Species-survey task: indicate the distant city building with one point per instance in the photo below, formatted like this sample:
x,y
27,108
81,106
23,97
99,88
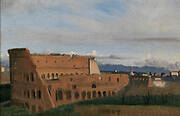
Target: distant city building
x,y
157,82
174,73
131,73
2,69
164,74
144,74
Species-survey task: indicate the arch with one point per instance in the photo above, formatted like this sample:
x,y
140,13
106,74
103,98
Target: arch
x,y
42,76
27,76
99,94
68,95
89,95
104,93
109,93
117,79
48,76
109,78
93,85
60,95
113,93
24,93
74,86
76,94
39,94
33,108
40,109
83,94
52,75
33,93
28,94
56,75
26,105
94,94
56,94
32,76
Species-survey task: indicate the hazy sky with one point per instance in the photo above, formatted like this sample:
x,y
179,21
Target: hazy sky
x,y
129,32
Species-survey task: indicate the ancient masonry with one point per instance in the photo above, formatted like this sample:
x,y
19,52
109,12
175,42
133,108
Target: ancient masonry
x,y
43,81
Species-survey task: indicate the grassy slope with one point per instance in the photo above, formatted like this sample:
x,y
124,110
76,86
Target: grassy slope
x,y
97,110
5,92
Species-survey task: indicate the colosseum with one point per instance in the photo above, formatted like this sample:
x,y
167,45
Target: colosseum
x,y
43,81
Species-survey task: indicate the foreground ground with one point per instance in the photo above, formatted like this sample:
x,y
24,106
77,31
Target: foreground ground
x,y
97,110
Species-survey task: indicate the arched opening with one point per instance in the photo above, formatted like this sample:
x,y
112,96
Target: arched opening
x,y
28,94
109,93
74,86
52,75
109,78
26,105
117,79
42,76
48,76
113,93
93,85
104,93
32,76
68,95
94,94
33,108
83,95
76,95
24,93
60,95
40,109
99,94
27,76
33,94
89,95
56,95
56,75
39,94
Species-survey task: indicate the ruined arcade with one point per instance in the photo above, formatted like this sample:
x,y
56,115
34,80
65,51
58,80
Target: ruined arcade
x,y
43,81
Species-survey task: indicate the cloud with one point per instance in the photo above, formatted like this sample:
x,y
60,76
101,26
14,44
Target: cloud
x,y
145,21
137,24
159,62
159,40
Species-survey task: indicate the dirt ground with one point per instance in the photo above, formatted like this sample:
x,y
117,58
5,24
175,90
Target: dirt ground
x,y
111,110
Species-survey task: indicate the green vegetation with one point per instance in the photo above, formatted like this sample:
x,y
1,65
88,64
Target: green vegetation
x,y
14,111
169,100
5,92
96,110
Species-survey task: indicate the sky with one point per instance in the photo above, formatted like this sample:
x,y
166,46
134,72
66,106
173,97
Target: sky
x,y
128,32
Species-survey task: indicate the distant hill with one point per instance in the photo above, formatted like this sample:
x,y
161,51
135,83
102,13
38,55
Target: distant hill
x,y
5,63
111,67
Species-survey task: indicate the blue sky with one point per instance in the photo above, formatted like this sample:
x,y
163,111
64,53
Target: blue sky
x,y
138,32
